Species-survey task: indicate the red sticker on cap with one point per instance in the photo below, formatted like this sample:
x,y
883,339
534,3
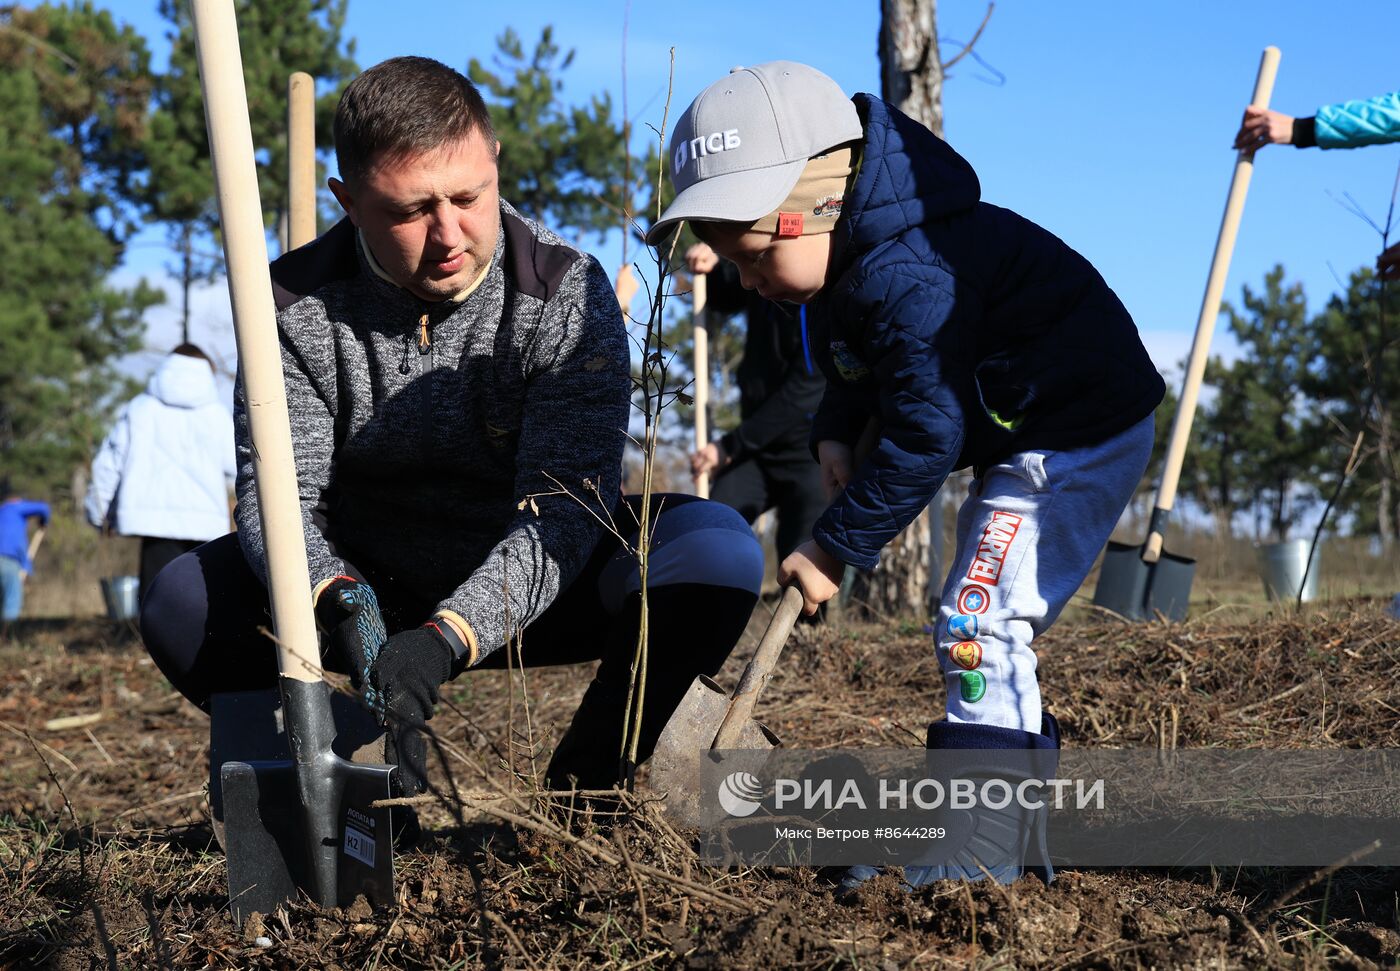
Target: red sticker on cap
x,y
789,224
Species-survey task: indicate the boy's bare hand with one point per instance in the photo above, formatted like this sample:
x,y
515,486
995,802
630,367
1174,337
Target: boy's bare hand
x,y
837,463
1263,127
815,571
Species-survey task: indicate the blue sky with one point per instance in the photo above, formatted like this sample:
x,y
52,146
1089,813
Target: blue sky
x,y
1112,126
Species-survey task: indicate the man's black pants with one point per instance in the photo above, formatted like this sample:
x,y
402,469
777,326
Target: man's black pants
x,y
202,621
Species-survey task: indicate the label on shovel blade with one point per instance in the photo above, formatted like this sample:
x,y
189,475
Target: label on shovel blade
x,y
359,845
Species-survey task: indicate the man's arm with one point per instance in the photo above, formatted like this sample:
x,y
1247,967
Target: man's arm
x,y
1352,124
35,507
313,446
571,438
1349,124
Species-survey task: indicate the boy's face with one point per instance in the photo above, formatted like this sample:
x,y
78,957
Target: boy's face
x,y
779,268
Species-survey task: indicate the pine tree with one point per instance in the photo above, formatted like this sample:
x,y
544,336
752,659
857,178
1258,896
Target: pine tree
x,y
1253,437
276,37
74,96
1355,378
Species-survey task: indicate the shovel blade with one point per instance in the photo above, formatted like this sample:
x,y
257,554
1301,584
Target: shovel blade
x,y
676,762
1141,591
271,855
247,726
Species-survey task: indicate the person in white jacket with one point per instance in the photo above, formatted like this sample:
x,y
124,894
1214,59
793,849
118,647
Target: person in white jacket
x,y
164,470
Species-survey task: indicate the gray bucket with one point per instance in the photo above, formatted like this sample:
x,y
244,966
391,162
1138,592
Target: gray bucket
x,y
1281,567
120,596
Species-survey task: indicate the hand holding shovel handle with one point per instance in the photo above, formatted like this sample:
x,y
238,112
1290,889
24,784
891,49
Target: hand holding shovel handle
x,y
760,668
1205,325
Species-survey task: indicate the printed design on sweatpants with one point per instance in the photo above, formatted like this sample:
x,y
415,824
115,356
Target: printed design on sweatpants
x,y
992,548
972,685
962,627
966,654
973,599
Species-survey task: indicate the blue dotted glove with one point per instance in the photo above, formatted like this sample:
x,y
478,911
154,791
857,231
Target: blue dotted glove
x,y
349,611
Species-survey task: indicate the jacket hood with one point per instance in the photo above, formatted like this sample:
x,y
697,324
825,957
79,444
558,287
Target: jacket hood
x,y
908,176
183,382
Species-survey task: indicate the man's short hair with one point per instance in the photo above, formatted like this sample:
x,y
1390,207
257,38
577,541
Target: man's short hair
x,y
405,106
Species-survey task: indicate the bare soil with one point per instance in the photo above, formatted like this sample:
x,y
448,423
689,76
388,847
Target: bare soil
x,y
107,859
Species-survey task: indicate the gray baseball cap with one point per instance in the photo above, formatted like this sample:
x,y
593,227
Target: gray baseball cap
x,y
740,147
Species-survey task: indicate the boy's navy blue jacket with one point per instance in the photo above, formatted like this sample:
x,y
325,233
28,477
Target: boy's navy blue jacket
x,y
968,331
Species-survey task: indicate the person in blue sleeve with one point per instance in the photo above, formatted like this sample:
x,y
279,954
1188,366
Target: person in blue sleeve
x,y
15,565
1348,124
975,338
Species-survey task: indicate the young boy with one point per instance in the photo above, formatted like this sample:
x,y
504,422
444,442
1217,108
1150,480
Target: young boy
x,y
974,338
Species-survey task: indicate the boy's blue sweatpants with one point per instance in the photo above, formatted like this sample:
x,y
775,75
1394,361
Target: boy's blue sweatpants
x,y
1028,534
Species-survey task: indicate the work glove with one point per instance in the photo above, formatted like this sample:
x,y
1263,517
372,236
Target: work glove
x,y
349,611
402,687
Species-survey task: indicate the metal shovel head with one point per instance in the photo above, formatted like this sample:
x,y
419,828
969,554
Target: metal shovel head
x,y
676,762
247,726
255,802
271,856
1142,591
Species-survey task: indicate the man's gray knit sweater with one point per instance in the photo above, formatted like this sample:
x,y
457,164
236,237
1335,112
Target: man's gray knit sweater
x,y
432,439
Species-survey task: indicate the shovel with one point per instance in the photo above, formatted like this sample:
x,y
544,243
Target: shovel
x,y
305,823
707,718
1141,582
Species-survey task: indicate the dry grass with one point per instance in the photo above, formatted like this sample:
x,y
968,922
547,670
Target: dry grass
x,y
106,859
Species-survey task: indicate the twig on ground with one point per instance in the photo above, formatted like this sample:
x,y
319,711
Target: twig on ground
x,y
1321,874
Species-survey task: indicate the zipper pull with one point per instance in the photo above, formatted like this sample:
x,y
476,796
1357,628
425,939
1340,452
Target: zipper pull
x,y
407,350
425,343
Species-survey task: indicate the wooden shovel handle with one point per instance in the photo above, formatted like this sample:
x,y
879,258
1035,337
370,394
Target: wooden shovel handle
x,y
35,542
698,296
255,326
759,669
301,159
1210,310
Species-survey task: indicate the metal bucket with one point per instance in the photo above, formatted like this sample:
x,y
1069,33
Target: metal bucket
x,y
1282,566
120,596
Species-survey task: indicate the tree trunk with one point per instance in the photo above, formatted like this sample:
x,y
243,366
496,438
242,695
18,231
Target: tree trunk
x,y
911,72
1385,473
911,79
901,586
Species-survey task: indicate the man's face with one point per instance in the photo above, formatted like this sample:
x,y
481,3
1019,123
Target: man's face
x,y
779,268
430,220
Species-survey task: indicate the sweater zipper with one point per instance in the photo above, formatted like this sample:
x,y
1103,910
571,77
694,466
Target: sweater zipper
x,y
425,372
